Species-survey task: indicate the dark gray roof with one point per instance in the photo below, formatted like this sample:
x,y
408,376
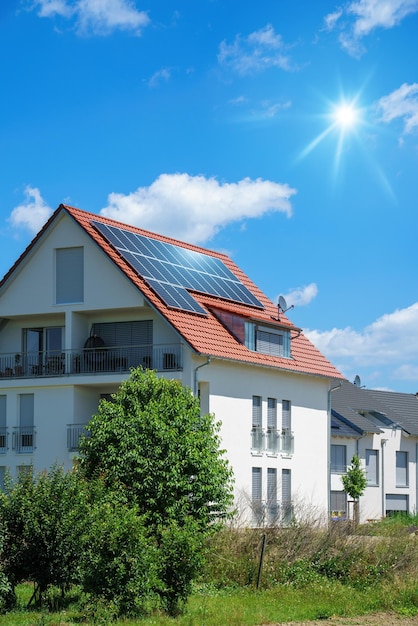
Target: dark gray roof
x,y
340,428
350,403
370,410
401,408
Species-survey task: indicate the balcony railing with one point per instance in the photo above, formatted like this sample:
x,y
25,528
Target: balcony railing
x,y
272,513
74,433
164,357
272,441
23,439
3,439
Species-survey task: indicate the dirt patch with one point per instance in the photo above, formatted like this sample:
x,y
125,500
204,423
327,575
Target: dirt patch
x,y
376,619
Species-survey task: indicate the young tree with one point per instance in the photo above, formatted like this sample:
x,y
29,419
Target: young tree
x,y
153,444
354,483
43,518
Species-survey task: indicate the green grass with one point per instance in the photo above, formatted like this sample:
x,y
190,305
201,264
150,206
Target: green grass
x,y
244,607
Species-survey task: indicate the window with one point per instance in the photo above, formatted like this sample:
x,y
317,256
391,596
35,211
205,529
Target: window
x,y
3,424
372,467
69,275
272,341
265,339
401,469
338,459
256,495
272,507
396,504
287,436
257,429
287,510
272,434
2,475
338,504
24,434
43,350
134,340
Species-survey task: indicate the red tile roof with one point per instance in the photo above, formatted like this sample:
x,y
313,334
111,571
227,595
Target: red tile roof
x,y
205,334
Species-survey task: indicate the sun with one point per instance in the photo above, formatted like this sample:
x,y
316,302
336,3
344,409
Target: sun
x,y
345,115
343,121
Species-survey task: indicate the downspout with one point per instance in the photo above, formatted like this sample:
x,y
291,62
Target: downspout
x,y
329,447
383,444
196,380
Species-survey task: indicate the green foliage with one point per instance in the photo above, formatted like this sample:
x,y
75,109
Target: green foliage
x,y
354,481
43,520
152,445
152,442
119,562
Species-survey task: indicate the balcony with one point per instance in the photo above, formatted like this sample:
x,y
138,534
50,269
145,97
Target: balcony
x,y
164,357
74,433
272,513
23,439
272,441
3,440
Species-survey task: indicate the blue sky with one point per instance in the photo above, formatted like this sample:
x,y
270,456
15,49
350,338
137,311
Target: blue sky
x,y
219,122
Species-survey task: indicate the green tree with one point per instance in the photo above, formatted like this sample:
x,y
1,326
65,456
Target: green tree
x,y
153,444
43,519
118,563
354,483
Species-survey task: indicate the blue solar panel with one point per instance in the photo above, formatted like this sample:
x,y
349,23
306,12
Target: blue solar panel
x,y
170,270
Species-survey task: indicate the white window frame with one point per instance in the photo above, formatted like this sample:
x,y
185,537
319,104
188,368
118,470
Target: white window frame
x,y
372,467
402,474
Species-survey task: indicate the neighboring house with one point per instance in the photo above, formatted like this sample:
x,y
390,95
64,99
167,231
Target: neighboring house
x,y
381,427
90,298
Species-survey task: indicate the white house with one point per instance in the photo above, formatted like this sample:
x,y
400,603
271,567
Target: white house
x,y
90,298
381,427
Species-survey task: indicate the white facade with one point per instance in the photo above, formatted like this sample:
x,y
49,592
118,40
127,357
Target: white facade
x,y
48,395
387,451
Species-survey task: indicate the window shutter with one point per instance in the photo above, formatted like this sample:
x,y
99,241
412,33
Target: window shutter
x,y
136,333
26,410
286,415
271,414
372,467
286,486
269,343
401,469
256,484
69,275
257,414
3,421
271,485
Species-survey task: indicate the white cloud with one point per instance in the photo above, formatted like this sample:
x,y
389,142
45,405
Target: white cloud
x,y
161,75
195,208
401,103
331,19
32,214
301,296
98,17
359,18
371,14
390,340
259,51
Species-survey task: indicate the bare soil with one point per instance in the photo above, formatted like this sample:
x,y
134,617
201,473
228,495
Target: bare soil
x,y
375,619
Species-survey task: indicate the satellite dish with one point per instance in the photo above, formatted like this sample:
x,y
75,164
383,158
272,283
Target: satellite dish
x,y
282,306
282,303
357,381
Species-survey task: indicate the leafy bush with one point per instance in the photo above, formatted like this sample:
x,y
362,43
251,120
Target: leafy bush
x,y
43,518
119,562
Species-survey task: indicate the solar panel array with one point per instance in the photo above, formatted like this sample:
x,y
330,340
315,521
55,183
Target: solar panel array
x,y
171,270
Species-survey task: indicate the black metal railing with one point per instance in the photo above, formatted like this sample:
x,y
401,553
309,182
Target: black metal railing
x,y
162,357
